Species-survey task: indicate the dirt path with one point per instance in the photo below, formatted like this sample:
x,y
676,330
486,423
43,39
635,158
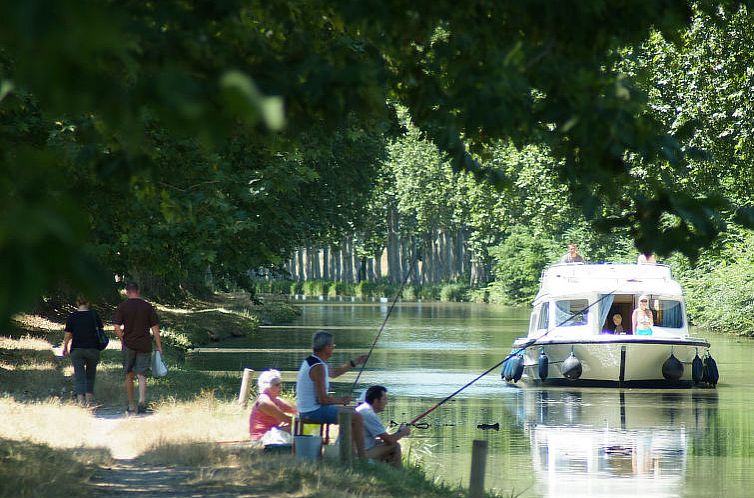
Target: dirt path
x,y
130,477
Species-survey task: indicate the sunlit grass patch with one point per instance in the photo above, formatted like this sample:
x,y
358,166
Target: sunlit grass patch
x,y
27,342
37,322
61,425
205,418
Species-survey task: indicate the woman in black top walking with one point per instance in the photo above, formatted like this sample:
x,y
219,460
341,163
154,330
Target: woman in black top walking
x,y
81,328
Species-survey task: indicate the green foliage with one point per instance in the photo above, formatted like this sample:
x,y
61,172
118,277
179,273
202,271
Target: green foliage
x,y
138,135
520,261
178,340
277,312
273,286
297,287
312,288
410,293
479,295
341,289
719,287
454,292
430,291
366,289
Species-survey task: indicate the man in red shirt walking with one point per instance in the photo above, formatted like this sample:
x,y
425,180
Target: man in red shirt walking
x,y
133,320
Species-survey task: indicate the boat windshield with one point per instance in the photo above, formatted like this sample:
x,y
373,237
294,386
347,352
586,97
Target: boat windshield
x,y
571,312
668,313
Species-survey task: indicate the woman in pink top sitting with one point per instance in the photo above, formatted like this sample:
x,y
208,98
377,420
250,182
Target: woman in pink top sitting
x,y
269,410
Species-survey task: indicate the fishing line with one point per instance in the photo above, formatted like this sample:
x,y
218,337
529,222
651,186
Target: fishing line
x,y
528,344
382,327
419,425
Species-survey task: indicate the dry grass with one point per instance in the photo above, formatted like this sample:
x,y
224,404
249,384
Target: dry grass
x,y
38,323
57,424
46,449
26,342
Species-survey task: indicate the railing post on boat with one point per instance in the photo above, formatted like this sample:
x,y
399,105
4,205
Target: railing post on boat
x,y
243,394
478,466
344,431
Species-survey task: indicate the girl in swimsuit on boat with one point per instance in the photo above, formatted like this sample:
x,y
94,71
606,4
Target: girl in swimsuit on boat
x,y
642,319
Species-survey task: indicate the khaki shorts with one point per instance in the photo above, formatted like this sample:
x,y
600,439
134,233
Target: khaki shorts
x,y
134,361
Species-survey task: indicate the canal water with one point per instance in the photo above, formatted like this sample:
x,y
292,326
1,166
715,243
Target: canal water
x,y
551,441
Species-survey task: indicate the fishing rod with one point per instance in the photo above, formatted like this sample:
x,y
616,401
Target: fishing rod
x,y
528,344
382,327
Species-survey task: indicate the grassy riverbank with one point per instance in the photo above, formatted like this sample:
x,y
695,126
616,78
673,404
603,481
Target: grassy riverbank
x,y
51,447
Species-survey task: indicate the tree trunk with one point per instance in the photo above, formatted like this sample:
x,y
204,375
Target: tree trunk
x,y
436,259
326,263
415,277
371,277
393,247
467,255
309,264
347,260
357,263
337,270
301,276
427,263
460,242
378,265
362,268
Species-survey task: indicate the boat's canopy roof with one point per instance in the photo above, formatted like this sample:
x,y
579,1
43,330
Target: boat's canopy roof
x,y
573,279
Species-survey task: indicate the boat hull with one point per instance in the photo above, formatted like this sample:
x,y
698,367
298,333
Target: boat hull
x,y
613,361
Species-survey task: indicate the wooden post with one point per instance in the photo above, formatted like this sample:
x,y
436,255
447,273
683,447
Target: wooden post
x,y
346,446
478,465
243,394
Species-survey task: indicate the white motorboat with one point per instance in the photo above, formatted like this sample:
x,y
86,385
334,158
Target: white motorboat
x,y
572,337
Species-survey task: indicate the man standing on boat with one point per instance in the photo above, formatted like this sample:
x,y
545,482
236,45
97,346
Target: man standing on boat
x,y
572,256
313,383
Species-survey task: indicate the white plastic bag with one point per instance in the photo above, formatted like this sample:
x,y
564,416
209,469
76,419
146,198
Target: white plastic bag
x,y
276,436
158,366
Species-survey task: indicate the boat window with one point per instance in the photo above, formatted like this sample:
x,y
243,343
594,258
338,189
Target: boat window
x,y
575,309
544,317
668,313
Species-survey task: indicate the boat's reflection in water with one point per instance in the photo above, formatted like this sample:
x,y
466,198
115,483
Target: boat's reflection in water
x,y
612,442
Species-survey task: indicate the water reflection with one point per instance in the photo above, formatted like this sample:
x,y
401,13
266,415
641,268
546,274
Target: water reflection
x,y
617,443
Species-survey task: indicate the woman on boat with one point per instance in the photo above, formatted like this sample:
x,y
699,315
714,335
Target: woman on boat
x,y
642,319
270,412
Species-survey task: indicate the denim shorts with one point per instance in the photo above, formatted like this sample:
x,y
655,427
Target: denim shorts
x,y
325,414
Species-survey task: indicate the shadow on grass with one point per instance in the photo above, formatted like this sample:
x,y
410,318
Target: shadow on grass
x,y
30,469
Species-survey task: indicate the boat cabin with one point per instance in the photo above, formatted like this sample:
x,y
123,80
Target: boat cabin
x,y
577,299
